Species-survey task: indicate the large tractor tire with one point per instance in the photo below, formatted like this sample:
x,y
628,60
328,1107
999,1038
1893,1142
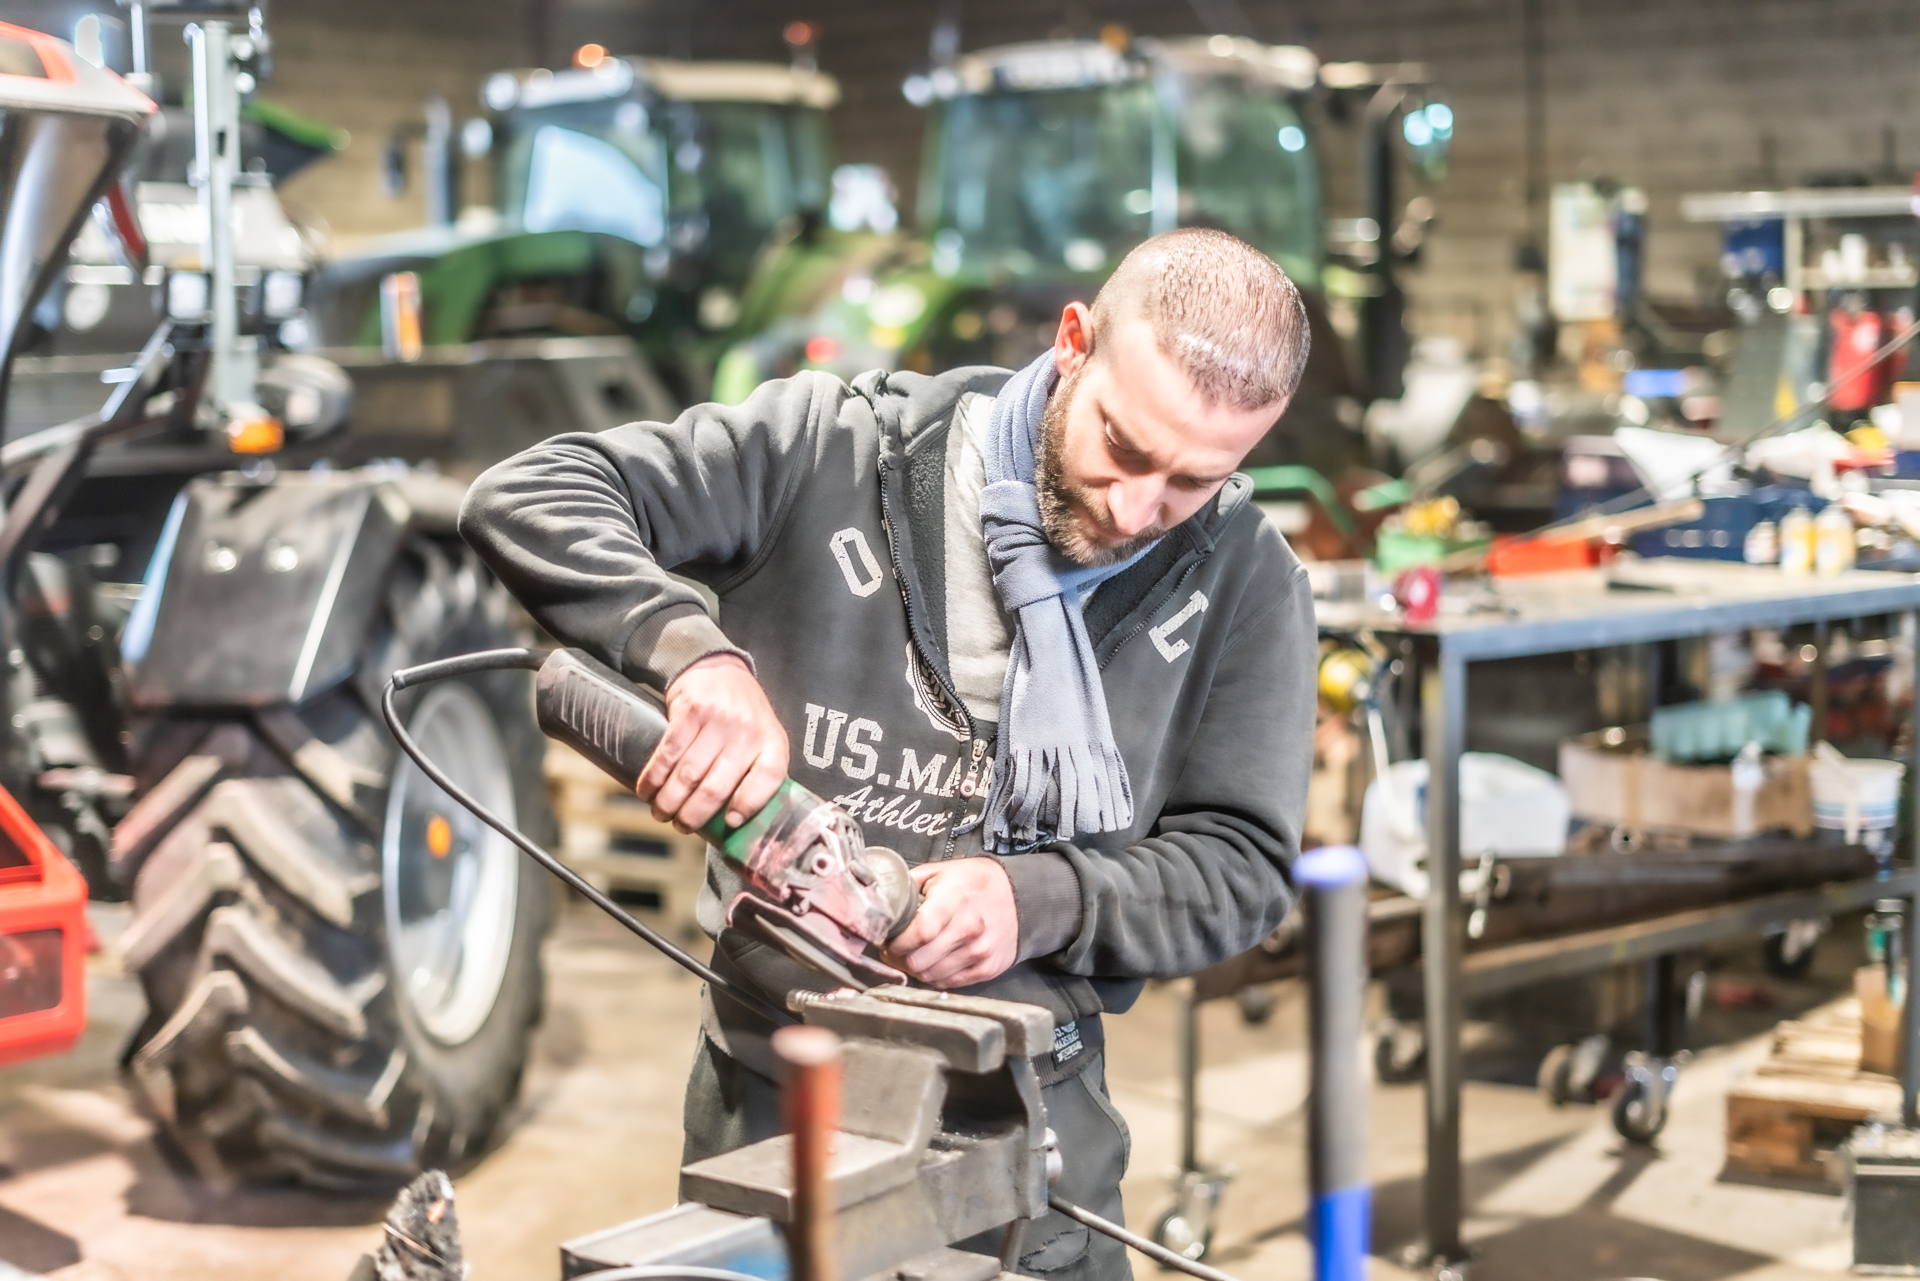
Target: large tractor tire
x,y
342,966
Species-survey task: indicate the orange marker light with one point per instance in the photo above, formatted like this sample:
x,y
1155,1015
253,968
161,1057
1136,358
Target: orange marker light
x,y
439,836
589,56
255,435
799,33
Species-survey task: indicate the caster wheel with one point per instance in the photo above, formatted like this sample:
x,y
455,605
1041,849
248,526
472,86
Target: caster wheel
x,y
1400,1055
1256,1005
1632,1117
1172,1231
1782,965
1556,1075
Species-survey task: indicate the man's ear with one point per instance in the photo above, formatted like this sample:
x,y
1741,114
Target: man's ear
x,y
1073,341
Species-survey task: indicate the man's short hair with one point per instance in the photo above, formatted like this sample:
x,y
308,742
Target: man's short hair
x,y
1219,308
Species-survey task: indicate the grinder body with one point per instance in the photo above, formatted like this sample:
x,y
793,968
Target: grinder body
x,y
805,855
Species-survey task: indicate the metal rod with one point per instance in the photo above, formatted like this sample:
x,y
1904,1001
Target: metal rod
x,y
1443,939
810,1098
1660,1020
1189,1078
216,145
1909,1020
1333,881
137,37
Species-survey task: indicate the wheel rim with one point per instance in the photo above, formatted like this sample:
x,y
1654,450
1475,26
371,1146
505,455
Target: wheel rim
x,y
451,883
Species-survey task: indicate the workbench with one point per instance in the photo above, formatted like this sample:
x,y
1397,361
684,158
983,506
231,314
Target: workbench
x,y
1630,602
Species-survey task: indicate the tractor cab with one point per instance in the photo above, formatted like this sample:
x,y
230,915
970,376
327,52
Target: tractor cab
x,y
632,197
1044,164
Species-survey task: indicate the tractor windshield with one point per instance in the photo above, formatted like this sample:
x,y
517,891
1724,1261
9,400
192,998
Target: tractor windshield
x,y
706,179
1054,182
1247,166
1043,183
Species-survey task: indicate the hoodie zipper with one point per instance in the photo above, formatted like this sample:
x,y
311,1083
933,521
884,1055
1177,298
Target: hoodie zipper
x,y
1141,626
953,700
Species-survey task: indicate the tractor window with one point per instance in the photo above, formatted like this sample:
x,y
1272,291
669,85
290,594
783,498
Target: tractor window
x,y
576,182
1046,183
743,167
590,166
1247,166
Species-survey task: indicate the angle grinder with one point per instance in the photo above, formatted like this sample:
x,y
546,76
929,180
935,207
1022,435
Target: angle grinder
x,y
814,888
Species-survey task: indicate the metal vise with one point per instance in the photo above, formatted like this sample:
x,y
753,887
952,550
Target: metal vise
x,y
942,1138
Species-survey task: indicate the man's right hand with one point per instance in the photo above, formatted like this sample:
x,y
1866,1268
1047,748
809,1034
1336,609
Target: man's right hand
x,y
724,747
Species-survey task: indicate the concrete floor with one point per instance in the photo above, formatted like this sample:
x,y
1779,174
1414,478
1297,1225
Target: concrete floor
x,y
84,1193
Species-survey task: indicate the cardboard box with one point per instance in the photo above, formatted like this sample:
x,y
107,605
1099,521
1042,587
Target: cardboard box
x,y
1879,1021
1613,777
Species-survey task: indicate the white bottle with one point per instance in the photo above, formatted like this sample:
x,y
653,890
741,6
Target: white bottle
x,y
1796,542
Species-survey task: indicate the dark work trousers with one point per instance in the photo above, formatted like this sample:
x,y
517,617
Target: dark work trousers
x,y
730,1106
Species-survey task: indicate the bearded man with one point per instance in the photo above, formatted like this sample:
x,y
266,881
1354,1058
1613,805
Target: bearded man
x,y
1027,628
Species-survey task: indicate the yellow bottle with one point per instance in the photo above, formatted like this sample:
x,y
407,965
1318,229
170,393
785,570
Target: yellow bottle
x,y
1833,542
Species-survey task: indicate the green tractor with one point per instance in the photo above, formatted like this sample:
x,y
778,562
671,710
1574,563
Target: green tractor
x,y
1045,163
633,201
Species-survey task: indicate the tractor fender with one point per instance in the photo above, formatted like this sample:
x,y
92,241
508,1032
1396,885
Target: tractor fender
x,y
263,593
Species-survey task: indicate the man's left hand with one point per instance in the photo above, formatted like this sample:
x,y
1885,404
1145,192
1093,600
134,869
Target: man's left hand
x,y
966,930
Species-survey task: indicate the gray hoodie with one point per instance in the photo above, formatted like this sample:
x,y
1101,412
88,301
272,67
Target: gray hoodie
x,y
816,512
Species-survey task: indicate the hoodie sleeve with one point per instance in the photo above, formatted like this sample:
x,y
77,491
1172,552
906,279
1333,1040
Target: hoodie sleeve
x,y
1213,877
583,528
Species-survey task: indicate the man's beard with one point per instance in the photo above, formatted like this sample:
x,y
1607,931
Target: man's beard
x,y
1057,496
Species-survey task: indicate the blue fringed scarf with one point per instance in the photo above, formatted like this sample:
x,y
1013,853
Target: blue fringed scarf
x,y
1057,772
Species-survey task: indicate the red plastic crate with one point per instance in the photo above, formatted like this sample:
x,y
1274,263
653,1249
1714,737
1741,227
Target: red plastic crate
x,y
43,941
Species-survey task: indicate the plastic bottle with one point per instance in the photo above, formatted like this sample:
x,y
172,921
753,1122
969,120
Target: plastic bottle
x,y
1762,546
1833,548
1796,542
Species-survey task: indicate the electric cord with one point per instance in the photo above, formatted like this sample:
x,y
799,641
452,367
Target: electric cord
x,y
496,660
1153,1250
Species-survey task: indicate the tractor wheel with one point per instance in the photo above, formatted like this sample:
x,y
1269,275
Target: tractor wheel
x,y
342,966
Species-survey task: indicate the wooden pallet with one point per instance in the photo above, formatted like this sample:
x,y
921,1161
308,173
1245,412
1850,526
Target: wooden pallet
x,y
1786,1118
614,841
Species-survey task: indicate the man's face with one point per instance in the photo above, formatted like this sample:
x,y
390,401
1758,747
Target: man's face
x,y
1129,448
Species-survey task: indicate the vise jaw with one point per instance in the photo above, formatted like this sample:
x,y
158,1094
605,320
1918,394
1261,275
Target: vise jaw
x,y
943,1137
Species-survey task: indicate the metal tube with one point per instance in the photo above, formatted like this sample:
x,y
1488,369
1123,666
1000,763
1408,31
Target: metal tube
x,y
1333,884
1660,1020
137,36
216,137
810,1098
1443,939
1189,1079
1909,1022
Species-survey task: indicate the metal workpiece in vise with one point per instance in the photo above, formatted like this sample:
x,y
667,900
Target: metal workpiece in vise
x,y
822,895
942,1138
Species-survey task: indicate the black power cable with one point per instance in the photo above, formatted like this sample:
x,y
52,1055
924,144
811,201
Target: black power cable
x,y
1153,1250
496,660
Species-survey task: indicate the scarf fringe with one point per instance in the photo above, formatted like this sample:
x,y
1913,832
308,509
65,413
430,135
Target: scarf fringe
x,y
1040,792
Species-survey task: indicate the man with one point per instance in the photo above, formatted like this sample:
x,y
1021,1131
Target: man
x,y
1027,629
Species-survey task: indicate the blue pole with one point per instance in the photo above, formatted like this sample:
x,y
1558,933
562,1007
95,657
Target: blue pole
x,y
1333,887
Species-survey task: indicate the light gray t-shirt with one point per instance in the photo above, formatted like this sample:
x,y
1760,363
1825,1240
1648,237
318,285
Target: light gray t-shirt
x,y
979,629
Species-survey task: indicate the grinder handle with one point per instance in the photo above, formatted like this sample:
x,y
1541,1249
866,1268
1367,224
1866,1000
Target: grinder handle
x,y
606,718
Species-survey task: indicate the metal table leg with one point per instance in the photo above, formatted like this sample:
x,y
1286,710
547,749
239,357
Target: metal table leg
x,y
1909,1023
1443,939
